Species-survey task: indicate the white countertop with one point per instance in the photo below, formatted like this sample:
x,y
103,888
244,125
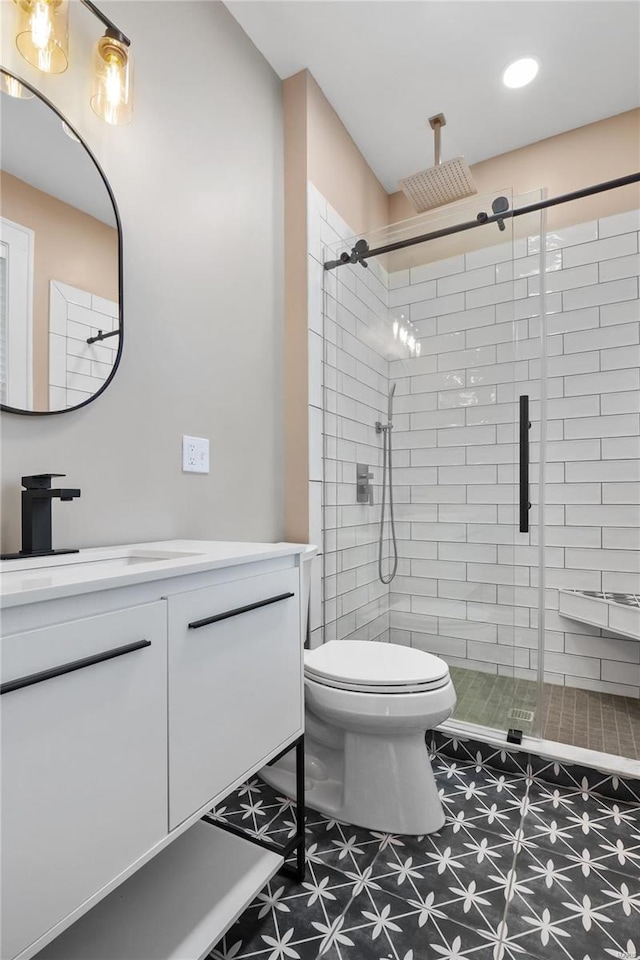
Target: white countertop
x,y
102,568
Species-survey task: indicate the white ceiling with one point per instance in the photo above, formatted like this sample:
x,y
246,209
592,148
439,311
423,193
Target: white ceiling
x,y
387,65
35,149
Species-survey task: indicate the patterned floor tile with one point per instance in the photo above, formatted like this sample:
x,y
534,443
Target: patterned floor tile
x,y
521,868
289,919
514,760
257,808
467,751
377,926
582,778
464,882
570,823
562,908
344,847
483,797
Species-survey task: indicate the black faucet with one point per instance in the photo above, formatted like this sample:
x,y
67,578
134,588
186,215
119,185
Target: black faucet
x,y
36,515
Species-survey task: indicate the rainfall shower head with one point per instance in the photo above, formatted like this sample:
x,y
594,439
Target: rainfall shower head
x,y
442,183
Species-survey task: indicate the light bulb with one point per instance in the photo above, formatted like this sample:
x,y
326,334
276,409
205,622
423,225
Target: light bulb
x,y
411,343
396,327
41,27
418,348
112,83
403,334
43,33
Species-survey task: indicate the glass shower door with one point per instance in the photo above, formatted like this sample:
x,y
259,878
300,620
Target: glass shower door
x,y
455,344
498,683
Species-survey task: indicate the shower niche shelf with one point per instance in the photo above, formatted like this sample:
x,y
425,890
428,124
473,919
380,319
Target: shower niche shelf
x,y
617,612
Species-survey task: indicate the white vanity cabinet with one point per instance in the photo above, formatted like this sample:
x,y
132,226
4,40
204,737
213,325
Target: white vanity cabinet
x,y
83,760
234,660
137,691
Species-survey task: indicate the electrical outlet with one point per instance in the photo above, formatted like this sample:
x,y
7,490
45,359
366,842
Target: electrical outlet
x,y
195,455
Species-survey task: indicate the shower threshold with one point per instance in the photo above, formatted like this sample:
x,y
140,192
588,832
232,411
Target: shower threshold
x,y
563,753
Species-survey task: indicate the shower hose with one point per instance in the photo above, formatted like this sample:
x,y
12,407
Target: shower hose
x,y
387,458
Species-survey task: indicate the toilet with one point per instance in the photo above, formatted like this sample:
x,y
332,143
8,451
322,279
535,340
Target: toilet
x,y
368,706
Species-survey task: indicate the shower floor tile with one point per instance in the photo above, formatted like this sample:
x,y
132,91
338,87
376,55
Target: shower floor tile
x,y
521,868
582,718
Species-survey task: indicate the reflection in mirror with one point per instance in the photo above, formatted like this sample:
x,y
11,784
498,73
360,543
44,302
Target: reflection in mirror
x,y
60,315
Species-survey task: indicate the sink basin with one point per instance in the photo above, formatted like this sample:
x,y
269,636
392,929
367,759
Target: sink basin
x,y
64,568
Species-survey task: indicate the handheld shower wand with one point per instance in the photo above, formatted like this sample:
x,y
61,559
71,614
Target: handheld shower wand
x,y
387,463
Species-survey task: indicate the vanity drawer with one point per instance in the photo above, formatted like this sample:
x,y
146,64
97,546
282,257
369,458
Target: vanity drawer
x,y
235,683
83,762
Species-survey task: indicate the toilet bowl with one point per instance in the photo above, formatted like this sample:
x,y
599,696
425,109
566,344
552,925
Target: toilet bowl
x,y
367,708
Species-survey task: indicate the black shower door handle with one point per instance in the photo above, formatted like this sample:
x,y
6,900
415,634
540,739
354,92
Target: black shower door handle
x,y
525,426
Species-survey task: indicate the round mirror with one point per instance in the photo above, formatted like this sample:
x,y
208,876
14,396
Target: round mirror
x,y
60,261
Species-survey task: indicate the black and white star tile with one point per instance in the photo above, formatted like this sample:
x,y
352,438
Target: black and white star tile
x,y
522,868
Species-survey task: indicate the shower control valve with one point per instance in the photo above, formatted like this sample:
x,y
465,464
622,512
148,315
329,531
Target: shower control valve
x,y
364,490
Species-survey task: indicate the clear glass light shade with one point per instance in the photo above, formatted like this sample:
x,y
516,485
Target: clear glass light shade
x,y
42,34
112,94
13,87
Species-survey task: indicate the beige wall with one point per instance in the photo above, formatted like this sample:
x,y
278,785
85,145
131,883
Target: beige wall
x,y
69,245
198,181
338,169
317,148
578,158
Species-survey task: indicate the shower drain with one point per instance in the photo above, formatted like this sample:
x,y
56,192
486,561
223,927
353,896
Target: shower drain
x,y
516,714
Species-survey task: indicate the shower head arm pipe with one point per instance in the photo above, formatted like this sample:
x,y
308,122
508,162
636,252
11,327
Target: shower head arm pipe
x,y
437,123
482,219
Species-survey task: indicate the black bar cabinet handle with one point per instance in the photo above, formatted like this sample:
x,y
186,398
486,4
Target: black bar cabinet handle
x,y
525,426
32,678
234,613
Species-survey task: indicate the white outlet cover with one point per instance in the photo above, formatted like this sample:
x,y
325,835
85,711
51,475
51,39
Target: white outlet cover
x,y
195,455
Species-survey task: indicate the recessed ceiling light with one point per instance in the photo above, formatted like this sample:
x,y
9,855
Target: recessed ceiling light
x,y
520,72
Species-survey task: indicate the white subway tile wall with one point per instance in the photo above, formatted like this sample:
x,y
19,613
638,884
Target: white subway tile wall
x,y
467,584
348,393
592,451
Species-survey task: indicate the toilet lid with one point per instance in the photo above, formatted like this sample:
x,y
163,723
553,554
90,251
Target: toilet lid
x,y
368,663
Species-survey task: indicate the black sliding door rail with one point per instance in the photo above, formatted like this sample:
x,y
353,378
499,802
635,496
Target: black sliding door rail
x,y
361,252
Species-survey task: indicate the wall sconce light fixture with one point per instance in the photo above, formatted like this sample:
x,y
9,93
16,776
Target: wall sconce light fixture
x,y
42,34
42,37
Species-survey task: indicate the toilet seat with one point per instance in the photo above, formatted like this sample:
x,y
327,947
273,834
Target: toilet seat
x,y
363,666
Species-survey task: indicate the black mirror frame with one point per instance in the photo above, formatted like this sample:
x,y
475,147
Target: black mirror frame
x,y
53,413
